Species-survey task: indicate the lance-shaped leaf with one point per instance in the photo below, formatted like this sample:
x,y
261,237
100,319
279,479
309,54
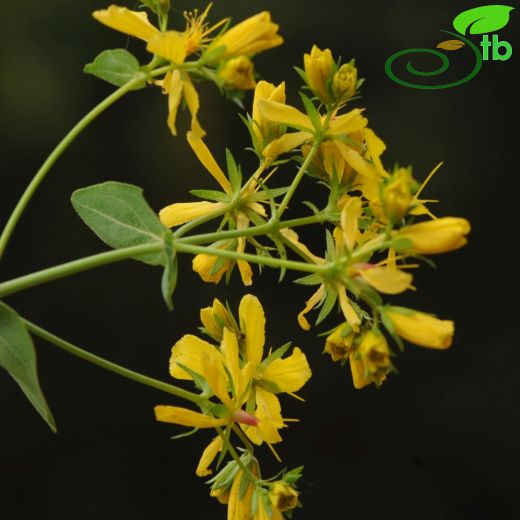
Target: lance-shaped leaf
x,y
18,357
484,19
119,215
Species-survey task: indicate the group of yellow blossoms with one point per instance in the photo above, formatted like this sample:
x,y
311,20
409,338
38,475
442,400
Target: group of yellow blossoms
x,y
376,226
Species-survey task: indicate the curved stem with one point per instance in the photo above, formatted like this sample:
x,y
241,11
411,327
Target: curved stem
x,y
112,367
57,152
255,259
76,266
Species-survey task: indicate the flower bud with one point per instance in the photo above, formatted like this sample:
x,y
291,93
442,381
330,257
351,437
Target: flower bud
x,y
371,361
420,328
344,81
319,67
237,74
283,496
434,236
217,317
397,194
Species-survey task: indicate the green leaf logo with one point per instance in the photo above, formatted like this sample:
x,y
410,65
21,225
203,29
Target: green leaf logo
x,y
484,19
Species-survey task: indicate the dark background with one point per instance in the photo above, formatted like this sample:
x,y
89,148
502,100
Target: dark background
x,y
438,441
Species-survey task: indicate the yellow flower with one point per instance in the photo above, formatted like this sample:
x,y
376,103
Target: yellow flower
x,y
434,236
253,35
240,505
319,66
265,131
329,162
345,81
238,73
180,213
208,456
420,328
170,45
370,363
197,30
283,496
215,318
340,343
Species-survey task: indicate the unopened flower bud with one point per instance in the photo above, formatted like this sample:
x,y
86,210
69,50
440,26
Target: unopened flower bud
x,y
397,194
319,67
344,81
237,73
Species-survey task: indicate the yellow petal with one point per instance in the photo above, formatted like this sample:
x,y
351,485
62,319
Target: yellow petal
x,y
204,156
350,215
182,212
348,311
285,114
129,22
252,324
185,417
422,329
192,100
203,265
285,144
188,351
268,413
292,236
217,379
229,349
208,456
309,305
246,273
387,279
169,45
172,86
358,372
348,123
289,374
239,507
375,148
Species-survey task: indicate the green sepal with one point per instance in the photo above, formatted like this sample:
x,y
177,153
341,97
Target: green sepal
x,y
270,386
301,73
405,311
327,306
401,244
265,195
312,112
199,381
234,173
310,279
214,195
18,358
292,476
313,207
170,273
242,488
116,66
189,433
331,246
213,55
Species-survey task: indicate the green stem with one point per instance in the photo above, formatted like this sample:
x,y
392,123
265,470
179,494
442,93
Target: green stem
x,y
299,176
56,153
267,228
112,367
243,437
255,259
76,266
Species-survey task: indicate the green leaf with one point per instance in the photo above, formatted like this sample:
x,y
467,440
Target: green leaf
x,y
484,19
311,279
234,174
120,216
292,476
18,357
328,305
312,112
117,66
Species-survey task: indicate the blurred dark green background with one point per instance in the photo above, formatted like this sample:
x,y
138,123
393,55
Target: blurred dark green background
x,y
439,441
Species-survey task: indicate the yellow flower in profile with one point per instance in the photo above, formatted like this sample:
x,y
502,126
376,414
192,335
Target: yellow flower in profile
x,y
251,36
370,363
240,503
420,328
216,318
319,67
180,213
397,194
434,236
172,46
283,497
238,74
340,342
